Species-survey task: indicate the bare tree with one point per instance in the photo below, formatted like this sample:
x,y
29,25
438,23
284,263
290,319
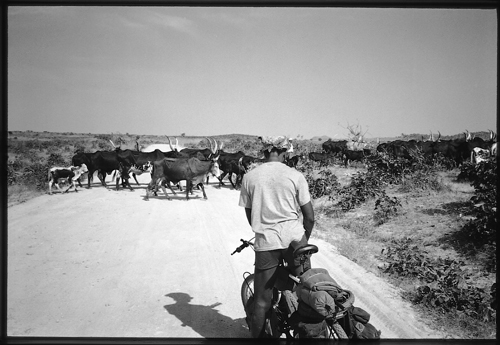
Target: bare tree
x,y
355,132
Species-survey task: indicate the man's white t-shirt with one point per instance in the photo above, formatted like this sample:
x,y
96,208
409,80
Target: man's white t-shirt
x,y
275,192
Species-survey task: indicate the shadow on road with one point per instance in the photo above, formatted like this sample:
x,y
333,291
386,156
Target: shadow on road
x,y
205,319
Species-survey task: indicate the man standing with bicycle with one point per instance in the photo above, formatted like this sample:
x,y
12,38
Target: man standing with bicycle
x,y
272,195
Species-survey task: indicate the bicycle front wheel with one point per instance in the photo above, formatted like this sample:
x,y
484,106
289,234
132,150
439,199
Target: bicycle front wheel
x,y
247,289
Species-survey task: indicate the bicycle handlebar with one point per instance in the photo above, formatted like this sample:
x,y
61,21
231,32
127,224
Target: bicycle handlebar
x,y
243,246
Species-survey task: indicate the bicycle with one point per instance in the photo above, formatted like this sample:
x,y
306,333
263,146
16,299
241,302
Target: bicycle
x,y
284,301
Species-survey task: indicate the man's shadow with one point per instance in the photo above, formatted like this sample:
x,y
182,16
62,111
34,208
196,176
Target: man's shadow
x,y
205,320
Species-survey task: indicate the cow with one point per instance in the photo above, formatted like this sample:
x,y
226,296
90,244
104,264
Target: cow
x,y
479,155
106,162
71,173
322,158
229,164
192,170
163,147
293,161
336,147
492,143
201,154
350,155
144,159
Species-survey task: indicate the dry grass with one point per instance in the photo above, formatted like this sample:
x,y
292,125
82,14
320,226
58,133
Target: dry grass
x,y
17,194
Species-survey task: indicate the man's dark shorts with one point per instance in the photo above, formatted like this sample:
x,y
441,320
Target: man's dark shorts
x,y
269,259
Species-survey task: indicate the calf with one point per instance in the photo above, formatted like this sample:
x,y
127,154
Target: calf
x,y
322,158
359,156
72,174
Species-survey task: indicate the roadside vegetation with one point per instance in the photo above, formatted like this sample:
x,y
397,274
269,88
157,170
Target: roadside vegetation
x,y
426,226
430,234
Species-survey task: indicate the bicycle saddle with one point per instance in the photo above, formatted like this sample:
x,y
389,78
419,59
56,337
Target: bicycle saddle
x,y
308,248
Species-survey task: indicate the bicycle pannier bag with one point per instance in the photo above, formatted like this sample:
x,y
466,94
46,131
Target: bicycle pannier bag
x,y
356,325
320,291
308,328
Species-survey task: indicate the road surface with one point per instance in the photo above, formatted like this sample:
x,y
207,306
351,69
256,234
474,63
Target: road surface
x,y
107,263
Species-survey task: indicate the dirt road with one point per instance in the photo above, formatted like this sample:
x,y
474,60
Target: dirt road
x,y
107,263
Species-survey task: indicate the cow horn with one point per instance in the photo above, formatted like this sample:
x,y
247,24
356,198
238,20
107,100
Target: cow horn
x,y
221,145
439,136
112,143
176,143
170,144
491,134
210,142
468,135
432,137
216,147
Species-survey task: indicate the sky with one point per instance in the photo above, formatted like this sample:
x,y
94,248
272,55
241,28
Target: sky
x,y
249,70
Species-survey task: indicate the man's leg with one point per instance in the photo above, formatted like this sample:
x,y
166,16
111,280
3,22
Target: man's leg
x,y
263,293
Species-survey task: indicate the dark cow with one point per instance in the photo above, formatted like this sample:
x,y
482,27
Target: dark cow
x,y
350,155
229,164
199,153
192,170
145,159
105,162
322,158
293,161
84,158
72,174
330,146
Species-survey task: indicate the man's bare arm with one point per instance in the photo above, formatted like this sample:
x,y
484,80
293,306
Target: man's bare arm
x,y
248,212
308,214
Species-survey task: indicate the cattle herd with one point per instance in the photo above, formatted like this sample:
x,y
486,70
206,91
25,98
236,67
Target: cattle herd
x,y
166,166
173,164
457,150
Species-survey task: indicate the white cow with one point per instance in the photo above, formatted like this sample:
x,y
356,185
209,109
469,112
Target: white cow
x,y
164,147
478,155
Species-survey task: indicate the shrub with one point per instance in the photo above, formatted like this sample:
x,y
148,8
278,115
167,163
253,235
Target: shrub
x,y
482,229
55,159
325,185
385,208
415,174
362,187
445,284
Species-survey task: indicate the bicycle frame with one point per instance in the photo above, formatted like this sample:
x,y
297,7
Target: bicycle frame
x,y
334,328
